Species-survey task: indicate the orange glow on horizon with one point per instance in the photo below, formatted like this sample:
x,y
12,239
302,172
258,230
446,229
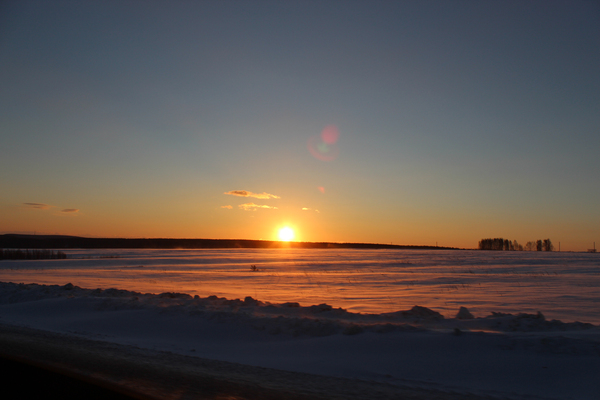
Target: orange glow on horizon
x,y
286,234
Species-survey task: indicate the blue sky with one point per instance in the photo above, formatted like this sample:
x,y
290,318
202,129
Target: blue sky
x,y
457,120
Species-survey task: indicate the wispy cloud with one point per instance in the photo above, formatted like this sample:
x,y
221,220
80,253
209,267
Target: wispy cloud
x,y
42,206
39,206
246,193
253,207
227,206
309,209
68,212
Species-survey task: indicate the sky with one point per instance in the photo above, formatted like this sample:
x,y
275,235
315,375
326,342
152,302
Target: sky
x,y
404,122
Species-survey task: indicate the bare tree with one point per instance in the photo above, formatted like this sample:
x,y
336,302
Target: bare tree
x,y
547,245
500,244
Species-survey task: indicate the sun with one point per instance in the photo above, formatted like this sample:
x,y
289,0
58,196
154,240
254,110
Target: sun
x,y
286,234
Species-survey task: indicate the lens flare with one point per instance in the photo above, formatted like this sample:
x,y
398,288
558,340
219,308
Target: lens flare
x,y
325,147
330,134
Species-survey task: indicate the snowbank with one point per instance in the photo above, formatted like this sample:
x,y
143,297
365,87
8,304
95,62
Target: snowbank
x,y
502,354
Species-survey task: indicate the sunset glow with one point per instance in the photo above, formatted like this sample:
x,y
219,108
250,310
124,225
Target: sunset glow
x,y
286,234
357,199
402,122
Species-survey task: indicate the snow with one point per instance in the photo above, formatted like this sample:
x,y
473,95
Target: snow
x,y
510,354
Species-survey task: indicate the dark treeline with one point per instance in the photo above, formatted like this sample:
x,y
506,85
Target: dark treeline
x,y
76,242
508,245
12,254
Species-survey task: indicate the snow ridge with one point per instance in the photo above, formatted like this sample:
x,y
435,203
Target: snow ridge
x,y
287,318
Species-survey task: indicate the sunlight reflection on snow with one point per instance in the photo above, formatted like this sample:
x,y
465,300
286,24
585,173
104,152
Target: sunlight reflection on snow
x,y
560,285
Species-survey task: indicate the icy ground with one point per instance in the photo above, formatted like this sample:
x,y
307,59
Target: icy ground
x,y
504,355
563,286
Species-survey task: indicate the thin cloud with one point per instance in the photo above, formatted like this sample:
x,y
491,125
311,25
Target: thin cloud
x,y
254,207
39,206
42,206
246,193
68,212
309,209
227,206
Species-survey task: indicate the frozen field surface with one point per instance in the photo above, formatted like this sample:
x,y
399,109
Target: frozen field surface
x,y
562,286
529,327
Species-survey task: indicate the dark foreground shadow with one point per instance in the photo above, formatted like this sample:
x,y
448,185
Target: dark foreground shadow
x,y
20,380
42,364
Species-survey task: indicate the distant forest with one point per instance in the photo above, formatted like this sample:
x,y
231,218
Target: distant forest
x,y
15,241
508,245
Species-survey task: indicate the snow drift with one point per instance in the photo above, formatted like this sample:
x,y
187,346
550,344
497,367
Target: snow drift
x,y
511,355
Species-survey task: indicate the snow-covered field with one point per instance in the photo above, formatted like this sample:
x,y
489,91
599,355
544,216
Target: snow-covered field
x,y
342,313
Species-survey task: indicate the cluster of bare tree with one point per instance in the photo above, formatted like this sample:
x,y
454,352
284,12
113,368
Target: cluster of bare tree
x,y
505,244
540,245
499,244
